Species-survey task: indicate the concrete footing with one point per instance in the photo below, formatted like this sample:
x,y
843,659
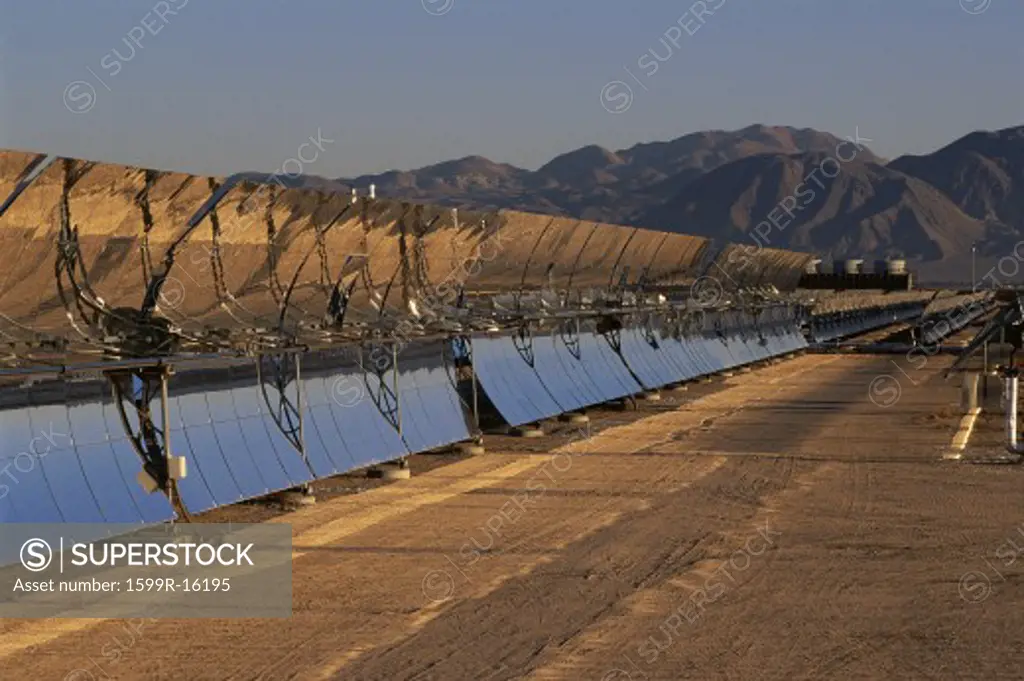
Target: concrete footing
x,y
528,431
727,374
680,388
650,396
575,418
746,369
470,448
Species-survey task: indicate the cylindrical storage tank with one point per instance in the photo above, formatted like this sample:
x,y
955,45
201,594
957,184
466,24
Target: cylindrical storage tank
x,y
814,266
896,266
853,266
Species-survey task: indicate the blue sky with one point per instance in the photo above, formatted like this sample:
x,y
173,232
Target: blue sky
x,y
223,85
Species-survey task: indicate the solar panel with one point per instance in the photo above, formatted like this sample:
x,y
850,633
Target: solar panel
x,y
364,427
572,361
207,454
321,430
246,473
448,413
99,465
692,348
246,445
511,383
562,374
522,374
753,350
60,466
65,474
637,356
691,352
252,421
488,370
664,368
671,353
415,423
718,352
31,498
296,468
426,391
607,367
362,431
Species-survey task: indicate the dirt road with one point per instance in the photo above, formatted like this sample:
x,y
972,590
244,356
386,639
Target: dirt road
x,y
798,523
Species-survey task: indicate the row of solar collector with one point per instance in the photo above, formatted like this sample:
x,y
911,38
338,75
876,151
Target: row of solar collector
x,y
69,460
825,328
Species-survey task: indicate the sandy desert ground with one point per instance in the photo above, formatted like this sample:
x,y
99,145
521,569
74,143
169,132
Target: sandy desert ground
x,y
795,522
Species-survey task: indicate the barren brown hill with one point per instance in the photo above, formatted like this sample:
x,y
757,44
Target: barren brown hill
x,y
983,173
865,209
594,183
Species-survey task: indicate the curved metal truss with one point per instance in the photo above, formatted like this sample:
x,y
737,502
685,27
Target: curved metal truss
x,y
279,377
650,334
569,332
379,362
522,339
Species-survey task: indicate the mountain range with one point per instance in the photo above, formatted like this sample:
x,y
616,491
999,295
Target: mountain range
x,y
780,186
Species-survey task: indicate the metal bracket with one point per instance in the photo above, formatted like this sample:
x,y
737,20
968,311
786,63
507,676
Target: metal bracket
x,y
458,354
611,329
279,377
570,334
135,391
379,362
649,335
523,340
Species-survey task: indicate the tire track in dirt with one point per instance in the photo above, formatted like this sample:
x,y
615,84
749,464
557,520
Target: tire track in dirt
x,y
739,488
666,566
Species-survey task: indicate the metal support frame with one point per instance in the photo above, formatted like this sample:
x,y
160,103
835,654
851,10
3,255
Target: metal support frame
x,y
135,391
458,353
522,339
279,376
383,389
611,330
569,331
649,334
